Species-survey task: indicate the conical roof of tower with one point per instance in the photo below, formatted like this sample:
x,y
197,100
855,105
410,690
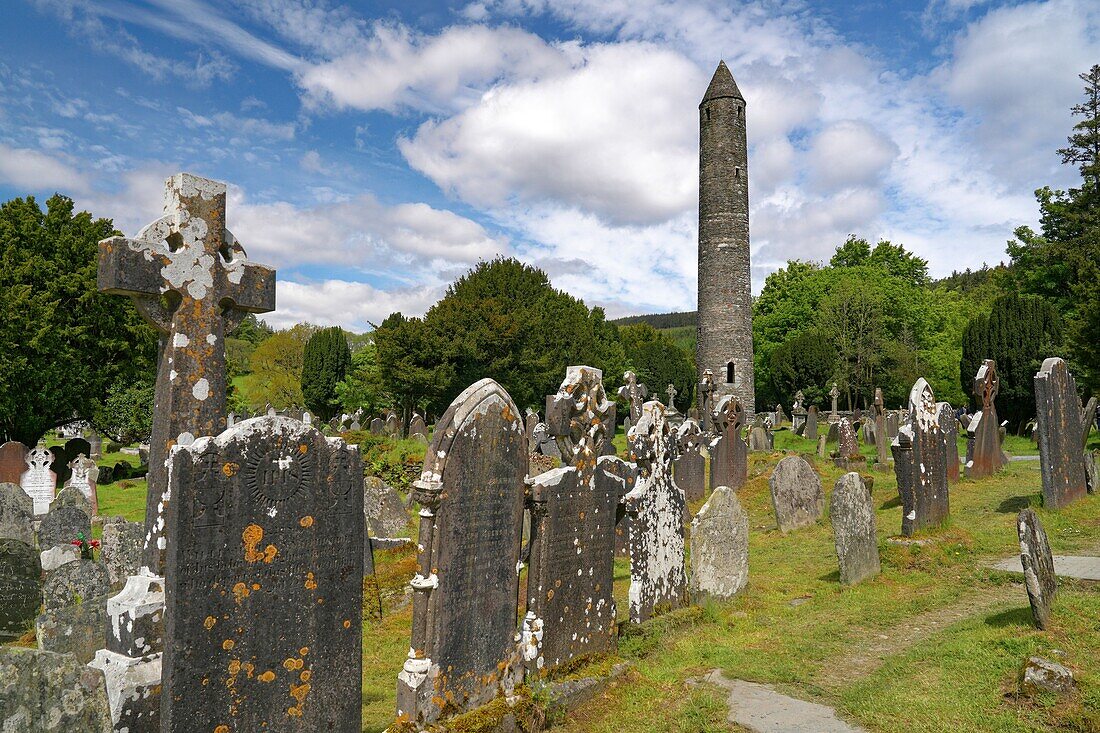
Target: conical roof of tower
x,y
722,85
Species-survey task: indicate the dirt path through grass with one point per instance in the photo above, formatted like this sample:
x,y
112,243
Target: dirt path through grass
x,y
870,649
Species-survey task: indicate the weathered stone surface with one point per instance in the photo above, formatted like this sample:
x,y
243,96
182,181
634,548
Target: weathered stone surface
x,y
658,577
466,588
892,424
720,546
57,556
570,606
188,256
384,511
920,463
1042,675
1038,565
796,494
635,394
417,429
13,461
63,525
135,617
74,583
810,433
122,548
706,390
847,441
264,581
1058,424
377,426
39,480
689,467
20,587
729,460
834,395
545,444
724,331
882,440
853,519
16,514
949,424
133,689
986,456
760,435
83,474
393,426
78,629
72,496
44,691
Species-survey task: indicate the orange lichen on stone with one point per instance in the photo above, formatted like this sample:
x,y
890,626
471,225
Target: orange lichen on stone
x,y
240,592
347,624
222,729
291,664
234,667
251,537
209,622
230,469
228,644
267,676
303,448
255,586
305,675
310,583
306,521
304,651
299,693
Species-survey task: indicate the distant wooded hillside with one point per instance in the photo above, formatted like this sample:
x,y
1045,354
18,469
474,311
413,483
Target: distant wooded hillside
x,y
660,320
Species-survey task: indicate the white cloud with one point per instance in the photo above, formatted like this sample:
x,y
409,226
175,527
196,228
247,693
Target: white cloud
x,y
25,168
615,136
353,305
850,153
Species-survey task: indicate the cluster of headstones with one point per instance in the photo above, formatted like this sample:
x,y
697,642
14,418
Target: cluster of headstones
x,y
389,424
40,471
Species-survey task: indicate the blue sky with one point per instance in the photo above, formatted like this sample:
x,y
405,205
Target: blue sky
x,y
375,151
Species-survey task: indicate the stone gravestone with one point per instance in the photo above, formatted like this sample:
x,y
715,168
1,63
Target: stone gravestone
x,y
192,281
74,583
706,390
634,393
544,441
891,425
529,424
418,430
393,426
810,433
16,514
834,395
760,436
882,442
985,456
729,460
853,519
920,463
72,496
377,426
75,629
719,547
466,589
949,424
83,474
264,582
62,525
798,414
1058,423
95,443
39,481
13,461
796,494
570,604
689,468
121,549
847,449
656,505
63,456
1038,565
383,509
45,691
20,588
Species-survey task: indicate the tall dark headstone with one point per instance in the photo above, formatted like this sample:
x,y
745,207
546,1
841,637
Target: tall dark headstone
x,y
1038,564
1058,424
810,433
466,588
658,577
63,456
570,605
689,467
920,463
853,519
985,457
20,587
729,460
16,514
949,424
13,461
264,582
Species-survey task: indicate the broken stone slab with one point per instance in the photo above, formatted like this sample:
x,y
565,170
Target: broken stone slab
x,y
1042,675
77,630
759,708
74,583
1038,566
59,555
132,690
571,694
384,511
1080,567
45,691
123,543
135,616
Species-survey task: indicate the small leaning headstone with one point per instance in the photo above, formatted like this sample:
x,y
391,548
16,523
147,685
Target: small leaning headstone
x,y
796,494
1038,564
20,588
16,514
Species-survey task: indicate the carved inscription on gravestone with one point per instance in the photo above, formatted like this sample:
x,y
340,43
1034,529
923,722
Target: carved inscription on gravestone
x,y
20,587
467,586
264,582
39,481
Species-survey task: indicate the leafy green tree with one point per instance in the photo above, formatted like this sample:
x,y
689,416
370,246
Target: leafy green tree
x,y
411,364
325,362
127,413
1061,263
63,345
363,387
252,329
504,320
659,362
806,362
277,369
1019,333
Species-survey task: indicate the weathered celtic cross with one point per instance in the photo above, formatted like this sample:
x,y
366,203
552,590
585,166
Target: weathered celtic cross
x,y
706,390
634,392
191,280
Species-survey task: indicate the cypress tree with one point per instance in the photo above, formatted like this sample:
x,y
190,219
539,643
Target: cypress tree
x,y
325,363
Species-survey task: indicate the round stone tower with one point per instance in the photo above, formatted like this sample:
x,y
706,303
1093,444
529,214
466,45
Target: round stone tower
x,y
724,338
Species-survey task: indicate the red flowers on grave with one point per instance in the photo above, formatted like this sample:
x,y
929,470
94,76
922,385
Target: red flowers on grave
x,y
86,547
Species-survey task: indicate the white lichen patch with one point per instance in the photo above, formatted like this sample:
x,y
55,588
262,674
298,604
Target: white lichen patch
x,y
201,389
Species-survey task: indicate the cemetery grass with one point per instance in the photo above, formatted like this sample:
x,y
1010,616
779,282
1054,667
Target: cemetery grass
x,y
796,628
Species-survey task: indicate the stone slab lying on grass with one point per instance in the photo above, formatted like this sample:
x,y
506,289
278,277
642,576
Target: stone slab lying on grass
x,y
1081,567
761,709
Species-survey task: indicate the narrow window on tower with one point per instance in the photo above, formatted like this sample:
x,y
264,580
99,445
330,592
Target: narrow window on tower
x,y
729,372
737,172
706,112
